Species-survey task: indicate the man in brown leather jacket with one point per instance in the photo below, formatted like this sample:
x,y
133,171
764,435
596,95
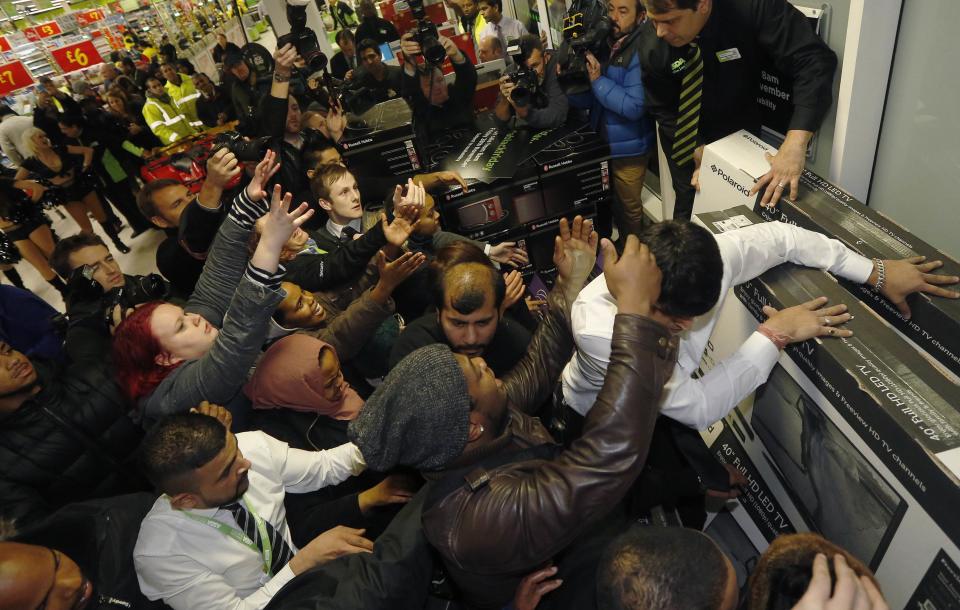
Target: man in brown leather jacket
x,y
505,499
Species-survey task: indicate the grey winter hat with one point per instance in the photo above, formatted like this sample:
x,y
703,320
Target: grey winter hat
x,y
419,416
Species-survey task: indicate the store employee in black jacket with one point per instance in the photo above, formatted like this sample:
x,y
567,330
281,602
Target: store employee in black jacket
x,y
440,106
700,64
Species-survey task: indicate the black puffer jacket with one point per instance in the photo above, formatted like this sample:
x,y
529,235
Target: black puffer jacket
x,y
71,442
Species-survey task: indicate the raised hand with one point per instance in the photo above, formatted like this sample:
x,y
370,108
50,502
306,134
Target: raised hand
x,y
633,278
285,57
410,203
279,224
508,253
575,250
262,175
222,167
394,273
904,277
808,320
514,291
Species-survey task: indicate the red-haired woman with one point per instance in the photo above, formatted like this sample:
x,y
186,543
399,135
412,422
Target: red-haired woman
x,y
168,359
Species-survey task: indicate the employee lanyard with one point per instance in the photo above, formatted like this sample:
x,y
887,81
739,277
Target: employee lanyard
x,y
242,538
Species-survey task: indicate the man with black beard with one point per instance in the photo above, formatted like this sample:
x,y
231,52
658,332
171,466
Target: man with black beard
x,y
617,109
218,536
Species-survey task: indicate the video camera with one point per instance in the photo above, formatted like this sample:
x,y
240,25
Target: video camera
x,y
303,38
527,90
585,28
426,35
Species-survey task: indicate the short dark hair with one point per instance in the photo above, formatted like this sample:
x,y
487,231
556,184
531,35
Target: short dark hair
x,y
344,34
466,280
496,3
689,259
663,6
60,259
71,120
152,78
145,197
368,43
177,445
668,568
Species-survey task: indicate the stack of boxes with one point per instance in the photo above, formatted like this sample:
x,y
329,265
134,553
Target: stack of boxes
x,y
856,438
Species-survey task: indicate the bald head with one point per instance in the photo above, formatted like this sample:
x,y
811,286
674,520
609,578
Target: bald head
x,y
669,568
31,576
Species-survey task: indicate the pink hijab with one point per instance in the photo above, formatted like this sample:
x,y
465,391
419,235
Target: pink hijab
x,y
288,376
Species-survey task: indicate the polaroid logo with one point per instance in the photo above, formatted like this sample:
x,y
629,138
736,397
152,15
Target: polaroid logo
x,y
753,140
729,180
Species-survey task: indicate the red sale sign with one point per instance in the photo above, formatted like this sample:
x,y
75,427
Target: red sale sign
x,y
13,76
88,17
46,30
77,56
4,44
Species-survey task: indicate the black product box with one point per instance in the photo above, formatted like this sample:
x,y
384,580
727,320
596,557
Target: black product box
x,y
381,141
823,207
574,171
503,192
903,406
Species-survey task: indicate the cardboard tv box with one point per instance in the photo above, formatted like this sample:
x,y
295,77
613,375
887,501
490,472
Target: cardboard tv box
x,y
904,407
934,325
728,171
853,438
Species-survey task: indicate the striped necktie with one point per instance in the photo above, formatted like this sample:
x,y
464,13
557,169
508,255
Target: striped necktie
x,y
691,89
282,553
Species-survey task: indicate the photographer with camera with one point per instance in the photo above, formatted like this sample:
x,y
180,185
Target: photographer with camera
x,y
281,121
379,81
616,103
98,293
437,106
190,222
531,91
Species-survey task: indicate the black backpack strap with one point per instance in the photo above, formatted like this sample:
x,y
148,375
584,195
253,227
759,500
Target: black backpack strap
x,y
477,475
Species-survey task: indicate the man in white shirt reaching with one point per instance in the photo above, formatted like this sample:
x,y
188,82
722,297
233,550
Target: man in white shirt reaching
x,y
218,536
698,271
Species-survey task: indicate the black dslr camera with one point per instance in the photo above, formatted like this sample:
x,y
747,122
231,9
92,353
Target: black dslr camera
x,y
585,28
527,90
243,150
303,38
426,35
87,300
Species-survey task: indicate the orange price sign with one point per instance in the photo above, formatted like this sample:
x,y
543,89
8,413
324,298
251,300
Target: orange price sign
x,y
88,17
46,30
13,76
4,44
77,56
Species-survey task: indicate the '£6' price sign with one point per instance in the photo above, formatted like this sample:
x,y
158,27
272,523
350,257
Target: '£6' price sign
x,y
13,76
77,56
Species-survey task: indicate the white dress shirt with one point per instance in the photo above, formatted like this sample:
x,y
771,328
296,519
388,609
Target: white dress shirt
x,y
191,565
336,230
507,30
698,403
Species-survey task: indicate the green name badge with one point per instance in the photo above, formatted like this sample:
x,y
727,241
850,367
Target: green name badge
x,y
728,55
